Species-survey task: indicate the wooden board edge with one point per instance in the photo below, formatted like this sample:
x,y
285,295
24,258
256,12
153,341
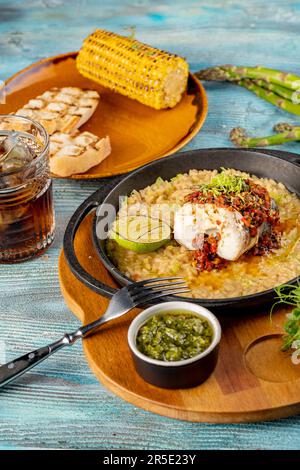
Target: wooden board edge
x,y
192,416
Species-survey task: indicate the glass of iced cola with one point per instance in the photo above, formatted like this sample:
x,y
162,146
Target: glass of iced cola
x,y
26,207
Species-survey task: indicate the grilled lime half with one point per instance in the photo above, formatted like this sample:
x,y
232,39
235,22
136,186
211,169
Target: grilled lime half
x,y
140,233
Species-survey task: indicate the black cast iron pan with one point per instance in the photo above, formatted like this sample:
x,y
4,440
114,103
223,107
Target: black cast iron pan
x,y
281,166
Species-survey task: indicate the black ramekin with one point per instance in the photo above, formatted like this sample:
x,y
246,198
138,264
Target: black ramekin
x,y
178,374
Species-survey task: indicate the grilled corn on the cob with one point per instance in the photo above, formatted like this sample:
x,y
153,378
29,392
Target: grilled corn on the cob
x,y
153,77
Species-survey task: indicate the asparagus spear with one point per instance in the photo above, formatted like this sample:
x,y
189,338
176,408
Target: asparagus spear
x,y
284,126
271,97
278,89
239,137
232,73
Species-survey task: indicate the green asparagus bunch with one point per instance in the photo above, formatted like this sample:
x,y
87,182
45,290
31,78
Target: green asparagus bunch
x,y
284,133
279,88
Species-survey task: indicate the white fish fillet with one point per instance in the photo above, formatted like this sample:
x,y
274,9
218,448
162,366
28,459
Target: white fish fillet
x,y
78,153
193,221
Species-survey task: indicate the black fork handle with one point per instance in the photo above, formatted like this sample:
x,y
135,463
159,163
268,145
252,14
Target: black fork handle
x,y
69,249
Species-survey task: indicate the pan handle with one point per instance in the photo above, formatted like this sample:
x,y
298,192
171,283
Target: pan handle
x,y
69,250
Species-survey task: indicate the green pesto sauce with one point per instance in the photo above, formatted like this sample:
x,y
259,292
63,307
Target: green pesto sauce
x,y
174,336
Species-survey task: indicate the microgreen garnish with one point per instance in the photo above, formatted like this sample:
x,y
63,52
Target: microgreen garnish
x,y
289,294
132,31
225,183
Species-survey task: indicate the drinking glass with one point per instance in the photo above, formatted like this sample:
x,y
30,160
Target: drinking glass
x,y
26,205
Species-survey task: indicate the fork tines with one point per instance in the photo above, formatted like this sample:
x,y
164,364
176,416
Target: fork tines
x,y
151,289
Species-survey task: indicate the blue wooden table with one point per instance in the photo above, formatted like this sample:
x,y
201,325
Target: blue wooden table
x,y
61,404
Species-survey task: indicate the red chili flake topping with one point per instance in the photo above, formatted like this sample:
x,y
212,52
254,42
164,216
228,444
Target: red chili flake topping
x,y
267,243
207,258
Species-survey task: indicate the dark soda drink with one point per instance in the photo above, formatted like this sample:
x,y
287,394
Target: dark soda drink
x,y
26,206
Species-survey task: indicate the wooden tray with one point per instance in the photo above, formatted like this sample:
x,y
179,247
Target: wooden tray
x,y
138,133
253,380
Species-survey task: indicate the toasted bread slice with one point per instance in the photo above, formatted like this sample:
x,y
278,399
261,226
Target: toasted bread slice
x,y
70,155
62,109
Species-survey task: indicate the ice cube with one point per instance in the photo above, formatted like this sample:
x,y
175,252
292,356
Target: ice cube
x,y
14,153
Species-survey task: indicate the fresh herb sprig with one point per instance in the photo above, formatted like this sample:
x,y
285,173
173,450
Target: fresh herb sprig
x,y
289,294
225,183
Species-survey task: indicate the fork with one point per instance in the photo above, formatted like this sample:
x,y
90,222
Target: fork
x,y
133,295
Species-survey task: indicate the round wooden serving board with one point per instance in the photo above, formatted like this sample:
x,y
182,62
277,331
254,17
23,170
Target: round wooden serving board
x,y
138,133
253,380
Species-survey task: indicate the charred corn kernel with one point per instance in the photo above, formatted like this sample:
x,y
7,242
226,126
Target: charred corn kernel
x,y
153,77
